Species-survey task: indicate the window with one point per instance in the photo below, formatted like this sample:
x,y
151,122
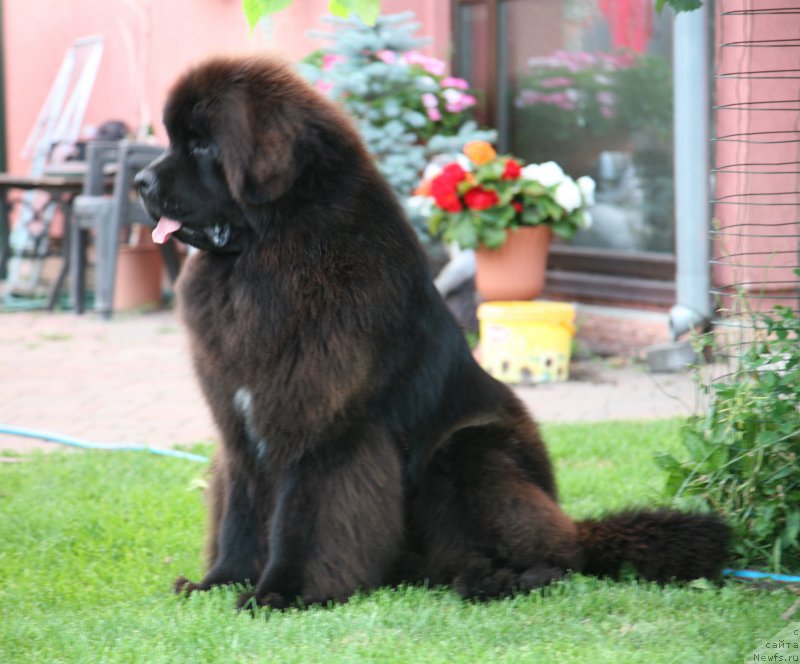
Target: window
x,y
586,83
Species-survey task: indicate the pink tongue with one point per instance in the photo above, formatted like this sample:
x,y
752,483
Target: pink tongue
x,y
165,228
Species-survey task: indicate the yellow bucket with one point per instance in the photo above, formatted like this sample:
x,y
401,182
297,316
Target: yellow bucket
x,y
526,342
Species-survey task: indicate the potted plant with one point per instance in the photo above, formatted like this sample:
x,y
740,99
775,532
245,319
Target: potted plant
x,y
508,212
405,105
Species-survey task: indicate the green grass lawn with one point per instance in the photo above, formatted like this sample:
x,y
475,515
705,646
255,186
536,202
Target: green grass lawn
x,y
90,543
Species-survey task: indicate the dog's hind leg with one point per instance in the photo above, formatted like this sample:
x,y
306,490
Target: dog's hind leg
x,y
487,527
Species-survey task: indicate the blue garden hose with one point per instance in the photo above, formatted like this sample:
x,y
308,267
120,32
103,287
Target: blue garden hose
x,y
87,445
747,574
751,575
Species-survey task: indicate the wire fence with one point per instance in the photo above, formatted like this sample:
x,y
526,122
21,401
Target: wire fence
x,y
756,231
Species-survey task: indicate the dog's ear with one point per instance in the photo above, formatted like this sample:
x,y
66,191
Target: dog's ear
x,y
261,155
275,166
233,136
281,150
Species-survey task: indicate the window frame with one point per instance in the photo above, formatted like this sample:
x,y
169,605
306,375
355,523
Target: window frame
x,y
583,273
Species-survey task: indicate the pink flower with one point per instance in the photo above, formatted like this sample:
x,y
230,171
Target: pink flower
x,y
456,101
324,86
564,100
619,60
556,82
387,56
429,100
527,98
330,60
607,112
463,103
431,65
434,114
453,82
606,98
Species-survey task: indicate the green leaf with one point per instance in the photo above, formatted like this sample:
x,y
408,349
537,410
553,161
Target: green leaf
x,y
685,5
776,555
340,8
493,238
679,5
435,222
789,536
367,10
255,9
533,215
564,229
500,216
552,209
667,462
464,233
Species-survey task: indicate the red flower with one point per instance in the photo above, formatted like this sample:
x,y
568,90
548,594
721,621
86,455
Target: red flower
x,y
443,190
512,170
454,173
517,206
478,198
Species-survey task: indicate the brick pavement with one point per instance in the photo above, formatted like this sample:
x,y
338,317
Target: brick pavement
x,y
130,380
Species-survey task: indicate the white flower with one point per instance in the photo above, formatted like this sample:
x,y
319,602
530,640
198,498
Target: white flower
x,y
567,195
451,95
431,171
547,174
422,205
427,83
463,161
587,186
551,174
587,219
530,172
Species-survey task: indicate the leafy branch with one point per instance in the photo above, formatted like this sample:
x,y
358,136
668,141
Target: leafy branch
x,y
366,10
679,5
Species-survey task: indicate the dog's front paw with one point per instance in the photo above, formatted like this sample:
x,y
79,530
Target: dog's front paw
x,y
183,586
249,601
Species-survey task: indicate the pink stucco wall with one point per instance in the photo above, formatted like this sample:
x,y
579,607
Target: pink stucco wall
x,y
170,34
287,29
166,37
758,220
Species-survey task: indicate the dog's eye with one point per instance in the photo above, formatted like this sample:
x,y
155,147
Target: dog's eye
x,y
201,150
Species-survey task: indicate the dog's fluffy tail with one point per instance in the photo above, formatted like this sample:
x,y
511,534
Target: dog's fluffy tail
x,y
661,545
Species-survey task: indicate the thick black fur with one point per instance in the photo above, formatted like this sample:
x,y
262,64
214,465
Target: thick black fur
x,y
362,444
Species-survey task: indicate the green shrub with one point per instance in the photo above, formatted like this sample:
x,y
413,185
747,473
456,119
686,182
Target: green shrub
x,y
744,455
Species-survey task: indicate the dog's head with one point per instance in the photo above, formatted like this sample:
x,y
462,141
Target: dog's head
x,y
241,134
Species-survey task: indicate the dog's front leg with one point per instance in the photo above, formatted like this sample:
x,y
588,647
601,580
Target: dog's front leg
x,y
336,525
234,538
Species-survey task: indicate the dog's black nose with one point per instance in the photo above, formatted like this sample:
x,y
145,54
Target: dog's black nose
x,y
145,181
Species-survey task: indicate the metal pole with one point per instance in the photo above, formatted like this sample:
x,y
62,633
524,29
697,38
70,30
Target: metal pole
x,y
5,229
691,72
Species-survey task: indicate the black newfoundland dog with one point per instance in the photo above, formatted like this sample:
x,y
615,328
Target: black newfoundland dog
x,y
362,444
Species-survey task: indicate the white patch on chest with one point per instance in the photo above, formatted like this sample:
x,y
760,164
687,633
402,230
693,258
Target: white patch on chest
x,y
243,404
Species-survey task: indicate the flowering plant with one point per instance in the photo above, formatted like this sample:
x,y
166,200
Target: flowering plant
x,y
405,106
598,93
476,197
423,96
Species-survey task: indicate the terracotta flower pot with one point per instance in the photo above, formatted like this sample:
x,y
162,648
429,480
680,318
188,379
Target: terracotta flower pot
x,y
515,271
138,282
